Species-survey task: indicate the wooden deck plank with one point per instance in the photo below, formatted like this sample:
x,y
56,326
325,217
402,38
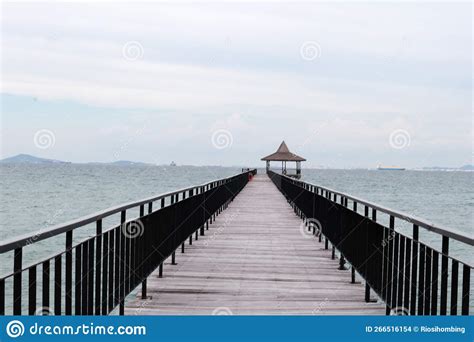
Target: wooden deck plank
x,y
254,260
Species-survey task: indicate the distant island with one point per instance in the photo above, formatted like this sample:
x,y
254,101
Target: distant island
x,y
29,159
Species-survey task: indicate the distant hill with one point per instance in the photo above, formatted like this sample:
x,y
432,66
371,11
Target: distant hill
x,y
128,163
29,159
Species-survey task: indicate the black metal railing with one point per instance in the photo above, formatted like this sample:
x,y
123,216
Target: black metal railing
x,y
95,276
408,275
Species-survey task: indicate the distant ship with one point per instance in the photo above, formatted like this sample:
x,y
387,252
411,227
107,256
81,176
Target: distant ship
x,y
173,163
390,168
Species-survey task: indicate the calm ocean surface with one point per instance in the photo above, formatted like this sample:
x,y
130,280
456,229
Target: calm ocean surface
x,y
34,197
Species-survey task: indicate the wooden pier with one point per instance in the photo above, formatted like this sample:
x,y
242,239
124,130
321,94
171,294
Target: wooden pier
x,y
239,245
256,258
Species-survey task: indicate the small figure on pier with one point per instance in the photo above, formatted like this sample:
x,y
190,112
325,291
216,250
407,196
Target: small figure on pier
x,y
284,155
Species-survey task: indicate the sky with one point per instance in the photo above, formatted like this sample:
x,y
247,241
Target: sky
x,y
345,84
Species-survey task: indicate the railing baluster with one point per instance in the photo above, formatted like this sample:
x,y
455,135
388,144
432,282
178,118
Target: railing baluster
x,y
112,268
454,287
78,280
401,268
17,269
466,281
406,301
118,236
434,283
90,278
427,289
46,271
105,272
32,290
85,277
421,279
57,285
414,270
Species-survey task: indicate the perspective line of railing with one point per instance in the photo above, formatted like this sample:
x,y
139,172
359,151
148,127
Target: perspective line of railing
x,y
408,275
94,276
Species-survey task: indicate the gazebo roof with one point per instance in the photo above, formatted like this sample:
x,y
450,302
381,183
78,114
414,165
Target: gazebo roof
x,y
283,154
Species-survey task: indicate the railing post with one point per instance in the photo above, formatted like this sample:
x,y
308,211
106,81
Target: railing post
x,y
98,263
174,199
173,259
68,270
203,190
341,259
122,265
2,297
367,287
32,290
388,266
466,277
444,276
414,270
144,280
160,268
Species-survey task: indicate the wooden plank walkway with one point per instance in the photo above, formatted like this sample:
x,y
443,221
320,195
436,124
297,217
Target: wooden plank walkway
x,y
254,260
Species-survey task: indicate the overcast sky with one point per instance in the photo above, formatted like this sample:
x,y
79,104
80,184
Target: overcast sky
x,y
344,84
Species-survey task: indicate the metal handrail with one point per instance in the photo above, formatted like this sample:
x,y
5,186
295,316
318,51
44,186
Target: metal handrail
x,y
102,270
42,234
403,271
448,232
